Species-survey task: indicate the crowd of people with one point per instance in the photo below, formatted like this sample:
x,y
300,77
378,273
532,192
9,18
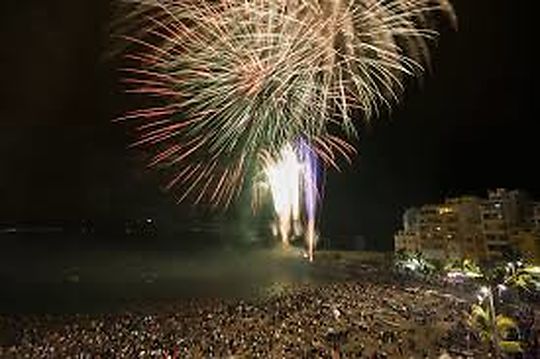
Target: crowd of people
x,y
345,319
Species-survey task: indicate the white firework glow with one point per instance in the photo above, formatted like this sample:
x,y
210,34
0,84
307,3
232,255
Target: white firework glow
x,y
291,179
283,176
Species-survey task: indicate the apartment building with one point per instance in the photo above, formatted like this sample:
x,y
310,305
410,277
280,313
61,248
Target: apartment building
x,y
442,231
472,227
502,212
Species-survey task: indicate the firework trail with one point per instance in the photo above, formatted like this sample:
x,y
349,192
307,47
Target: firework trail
x,y
237,77
311,192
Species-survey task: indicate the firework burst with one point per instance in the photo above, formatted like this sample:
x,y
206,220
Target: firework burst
x,y
240,77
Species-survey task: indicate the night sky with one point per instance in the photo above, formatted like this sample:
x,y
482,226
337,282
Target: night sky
x,y
468,126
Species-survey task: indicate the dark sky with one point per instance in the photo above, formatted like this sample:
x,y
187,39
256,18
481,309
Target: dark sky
x,y
469,126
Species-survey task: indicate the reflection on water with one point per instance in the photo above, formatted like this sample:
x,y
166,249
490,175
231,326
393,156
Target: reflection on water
x,y
49,280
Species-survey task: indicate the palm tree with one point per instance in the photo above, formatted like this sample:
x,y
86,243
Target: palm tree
x,y
466,267
499,331
469,266
522,277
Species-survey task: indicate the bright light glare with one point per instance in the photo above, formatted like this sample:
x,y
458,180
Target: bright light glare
x,y
533,270
413,264
455,275
292,182
484,291
284,179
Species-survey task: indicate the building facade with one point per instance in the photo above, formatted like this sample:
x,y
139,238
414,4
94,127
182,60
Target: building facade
x,y
472,227
502,213
407,242
443,231
527,243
